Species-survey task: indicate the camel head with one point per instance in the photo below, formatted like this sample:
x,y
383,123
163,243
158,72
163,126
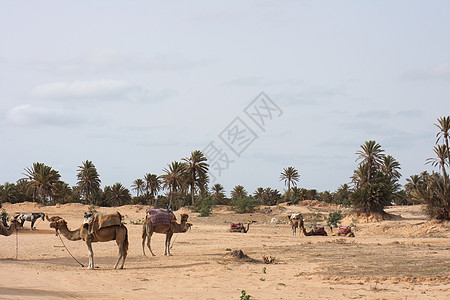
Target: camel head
x,y
15,222
184,217
58,223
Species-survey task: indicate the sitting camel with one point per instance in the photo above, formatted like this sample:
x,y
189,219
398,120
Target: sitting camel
x,y
296,221
119,233
239,227
314,231
343,231
7,231
167,228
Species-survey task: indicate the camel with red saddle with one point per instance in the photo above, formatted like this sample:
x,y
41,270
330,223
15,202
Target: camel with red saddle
x,y
343,231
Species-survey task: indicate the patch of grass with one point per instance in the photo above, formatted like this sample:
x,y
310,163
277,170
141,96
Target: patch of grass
x,y
244,295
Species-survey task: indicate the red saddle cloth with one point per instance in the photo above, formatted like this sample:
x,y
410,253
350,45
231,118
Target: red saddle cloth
x,y
344,229
319,229
160,216
237,225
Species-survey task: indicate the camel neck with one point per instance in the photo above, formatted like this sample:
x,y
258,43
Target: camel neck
x,y
70,235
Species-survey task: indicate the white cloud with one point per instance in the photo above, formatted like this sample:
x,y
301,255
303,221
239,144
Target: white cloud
x,y
83,89
26,115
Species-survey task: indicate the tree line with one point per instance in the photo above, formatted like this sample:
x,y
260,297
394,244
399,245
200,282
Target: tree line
x,y
373,185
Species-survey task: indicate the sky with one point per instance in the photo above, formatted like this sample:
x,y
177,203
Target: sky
x,y
257,85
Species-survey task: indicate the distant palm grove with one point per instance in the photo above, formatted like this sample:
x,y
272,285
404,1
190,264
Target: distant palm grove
x,y
373,185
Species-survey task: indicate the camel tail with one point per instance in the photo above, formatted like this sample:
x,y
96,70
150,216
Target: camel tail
x,y
126,239
144,237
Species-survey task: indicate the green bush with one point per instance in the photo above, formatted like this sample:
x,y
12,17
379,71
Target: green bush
x,y
243,204
334,218
204,206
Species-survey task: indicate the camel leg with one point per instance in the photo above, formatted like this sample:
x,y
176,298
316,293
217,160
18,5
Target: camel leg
x,y
91,255
167,245
121,240
149,238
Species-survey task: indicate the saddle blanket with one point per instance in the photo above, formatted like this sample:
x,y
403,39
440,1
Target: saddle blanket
x,y
344,229
104,220
237,225
296,216
319,229
160,216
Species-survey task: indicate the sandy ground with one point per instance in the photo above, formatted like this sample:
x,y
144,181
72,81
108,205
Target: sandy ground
x,y
408,258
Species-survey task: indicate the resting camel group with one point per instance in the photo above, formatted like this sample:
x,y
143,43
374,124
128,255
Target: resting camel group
x,y
296,221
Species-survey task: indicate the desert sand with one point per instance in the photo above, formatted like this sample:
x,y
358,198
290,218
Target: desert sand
x,y
405,258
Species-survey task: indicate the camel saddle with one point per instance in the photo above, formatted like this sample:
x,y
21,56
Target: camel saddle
x,y
104,220
160,216
344,229
320,229
237,225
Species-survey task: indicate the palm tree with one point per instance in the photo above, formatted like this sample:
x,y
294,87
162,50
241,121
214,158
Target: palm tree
x,y
444,131
42,180
290,176
174,179
238,192
152,184
390,167
138,186
218,193
88,179
117,195
441,152
197,169
259,195
372,155
8,192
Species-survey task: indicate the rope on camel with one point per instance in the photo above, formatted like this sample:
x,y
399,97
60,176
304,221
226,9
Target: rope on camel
x,y
69,251
17,243
170,248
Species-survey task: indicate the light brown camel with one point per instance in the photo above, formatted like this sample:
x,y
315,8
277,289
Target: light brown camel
x,y
314,231
119,233
167,229
343,231
7,231
239,227
296,222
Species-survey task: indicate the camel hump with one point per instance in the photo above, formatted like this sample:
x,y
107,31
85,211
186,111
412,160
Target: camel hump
x,y
104,220
160,216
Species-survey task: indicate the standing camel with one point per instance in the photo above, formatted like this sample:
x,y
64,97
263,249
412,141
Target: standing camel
x,y
7,231
119,233
167,229
296,221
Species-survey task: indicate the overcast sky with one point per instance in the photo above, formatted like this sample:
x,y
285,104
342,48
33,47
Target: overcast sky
x,y
135,85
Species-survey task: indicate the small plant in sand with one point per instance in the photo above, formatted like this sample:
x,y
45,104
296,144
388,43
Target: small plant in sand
x,y
264,270
244,295
137,222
